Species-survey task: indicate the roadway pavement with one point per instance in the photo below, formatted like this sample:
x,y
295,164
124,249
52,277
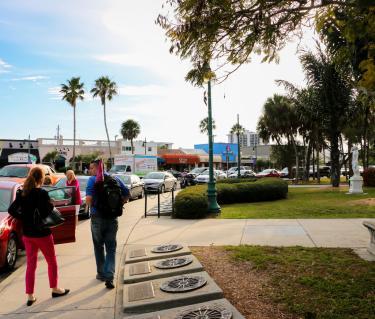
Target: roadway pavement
x,y
90,299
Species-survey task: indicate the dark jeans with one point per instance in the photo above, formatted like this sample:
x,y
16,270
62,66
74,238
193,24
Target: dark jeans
x,y
104,233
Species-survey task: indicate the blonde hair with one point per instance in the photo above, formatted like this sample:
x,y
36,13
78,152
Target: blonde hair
x,y
35,178
71,172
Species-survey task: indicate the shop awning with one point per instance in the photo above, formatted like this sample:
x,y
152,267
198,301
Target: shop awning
x,y
181,158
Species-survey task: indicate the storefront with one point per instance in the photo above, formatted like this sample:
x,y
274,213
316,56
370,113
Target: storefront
x,y
180,161
18,152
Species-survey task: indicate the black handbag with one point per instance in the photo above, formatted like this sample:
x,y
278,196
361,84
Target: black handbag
x,y
53,219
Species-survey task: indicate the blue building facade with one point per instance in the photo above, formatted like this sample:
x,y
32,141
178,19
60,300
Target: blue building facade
x,y
221,149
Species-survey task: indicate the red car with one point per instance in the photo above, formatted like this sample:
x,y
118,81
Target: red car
x,y
270,172
11,228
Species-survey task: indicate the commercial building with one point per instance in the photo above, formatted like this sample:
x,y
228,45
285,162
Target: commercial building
x,y
247,139
19,152
226,152
143,147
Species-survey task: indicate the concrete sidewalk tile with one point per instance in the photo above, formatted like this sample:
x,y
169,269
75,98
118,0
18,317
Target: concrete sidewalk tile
x,y
213,232
85,294
345,233
276,235
71,314
272,222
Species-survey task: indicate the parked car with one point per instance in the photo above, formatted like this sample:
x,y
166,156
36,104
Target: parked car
x,y
120,169
324,171
133,183
175,173
11,228
270,172
19,172
243,174
234,169
189,178
82,180
160,180
284,173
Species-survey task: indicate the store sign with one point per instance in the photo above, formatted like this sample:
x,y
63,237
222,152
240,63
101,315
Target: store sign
x,y
21,158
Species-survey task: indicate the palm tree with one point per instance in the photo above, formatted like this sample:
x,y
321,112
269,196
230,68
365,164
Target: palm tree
x,y
129,131
72,91
334,89
105,89
203,125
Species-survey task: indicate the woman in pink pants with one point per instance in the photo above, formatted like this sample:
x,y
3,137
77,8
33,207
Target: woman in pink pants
x,y
33,197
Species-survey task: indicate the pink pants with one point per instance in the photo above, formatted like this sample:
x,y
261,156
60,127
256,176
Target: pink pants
x,y
32,246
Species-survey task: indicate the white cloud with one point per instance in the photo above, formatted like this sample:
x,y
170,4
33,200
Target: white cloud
x,y
33,78
146,90
4,67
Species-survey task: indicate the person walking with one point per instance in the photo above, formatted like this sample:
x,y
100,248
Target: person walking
x,y
106,196
35,238
71,180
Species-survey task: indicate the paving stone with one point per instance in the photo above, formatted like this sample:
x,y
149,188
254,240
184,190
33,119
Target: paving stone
x,y
144,302
178,312
138,253
147,270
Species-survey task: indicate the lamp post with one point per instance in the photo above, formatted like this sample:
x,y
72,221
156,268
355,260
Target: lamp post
x,y
239,148
213,206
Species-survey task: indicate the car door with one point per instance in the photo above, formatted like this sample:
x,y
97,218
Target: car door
x,y
62,199
137,185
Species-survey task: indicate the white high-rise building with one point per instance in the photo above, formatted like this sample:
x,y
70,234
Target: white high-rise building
x,y
247,139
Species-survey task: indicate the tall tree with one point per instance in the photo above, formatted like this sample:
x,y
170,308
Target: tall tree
x,y
73,91
130,129
105,89
334,90
203,125
279,121
231,30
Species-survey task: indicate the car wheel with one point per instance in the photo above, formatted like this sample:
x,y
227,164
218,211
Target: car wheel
x,y
12,252
142,194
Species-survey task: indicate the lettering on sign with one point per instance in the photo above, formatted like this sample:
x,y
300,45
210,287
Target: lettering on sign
x,y
139,269
141,291
135,253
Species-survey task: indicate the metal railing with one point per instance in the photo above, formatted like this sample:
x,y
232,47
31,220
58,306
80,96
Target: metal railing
x,y
158,193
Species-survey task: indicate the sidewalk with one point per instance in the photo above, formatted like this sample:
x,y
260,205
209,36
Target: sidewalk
x,y
77,270
89,298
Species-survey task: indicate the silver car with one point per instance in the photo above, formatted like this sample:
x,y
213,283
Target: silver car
x,y
163,181
133,183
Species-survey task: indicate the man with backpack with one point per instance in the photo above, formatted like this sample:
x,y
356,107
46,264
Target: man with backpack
x,y
106,195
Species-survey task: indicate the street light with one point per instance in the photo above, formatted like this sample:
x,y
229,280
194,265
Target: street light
x,y
213,206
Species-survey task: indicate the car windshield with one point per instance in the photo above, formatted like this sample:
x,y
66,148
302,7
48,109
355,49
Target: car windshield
x,y
5,196
154,176
124,178
14,171
198,170
119,168
82,183
267,171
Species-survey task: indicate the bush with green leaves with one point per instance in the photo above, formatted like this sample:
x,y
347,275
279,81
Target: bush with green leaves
x,y
192,201
236,180
369,177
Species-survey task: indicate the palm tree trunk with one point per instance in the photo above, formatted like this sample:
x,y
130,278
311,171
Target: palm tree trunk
x,y
106,131
307,161
131,144
335,160
297,159
74,136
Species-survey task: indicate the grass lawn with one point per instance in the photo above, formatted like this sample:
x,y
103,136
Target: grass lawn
x,y
293,282
308,203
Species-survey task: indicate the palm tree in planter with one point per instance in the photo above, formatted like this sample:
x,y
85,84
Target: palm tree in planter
x,y
73,91
203,125
130,129
105,89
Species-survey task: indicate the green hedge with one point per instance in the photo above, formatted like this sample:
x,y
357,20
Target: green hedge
x,y
369,177
192,201
236,180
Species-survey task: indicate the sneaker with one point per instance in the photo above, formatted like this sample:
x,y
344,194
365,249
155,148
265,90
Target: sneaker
x,y
99,277
109,284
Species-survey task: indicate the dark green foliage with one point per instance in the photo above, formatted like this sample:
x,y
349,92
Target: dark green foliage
x,y
369,177
192,201
236,180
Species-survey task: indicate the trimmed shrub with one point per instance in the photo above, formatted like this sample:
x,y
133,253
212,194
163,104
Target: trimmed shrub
x,y
192,201
236,180
369,177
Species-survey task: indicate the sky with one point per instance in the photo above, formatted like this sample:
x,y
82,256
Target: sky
x,y
45,43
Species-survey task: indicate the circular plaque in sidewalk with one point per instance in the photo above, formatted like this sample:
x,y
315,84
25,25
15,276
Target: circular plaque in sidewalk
x,y
166,248
174,263
183,284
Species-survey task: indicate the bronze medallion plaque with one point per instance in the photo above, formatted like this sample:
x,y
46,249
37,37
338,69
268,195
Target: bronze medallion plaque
x,y
141,292
135,253
139,268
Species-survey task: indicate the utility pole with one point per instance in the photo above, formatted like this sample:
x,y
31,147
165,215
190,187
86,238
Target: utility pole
x,y
28,155
145,144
